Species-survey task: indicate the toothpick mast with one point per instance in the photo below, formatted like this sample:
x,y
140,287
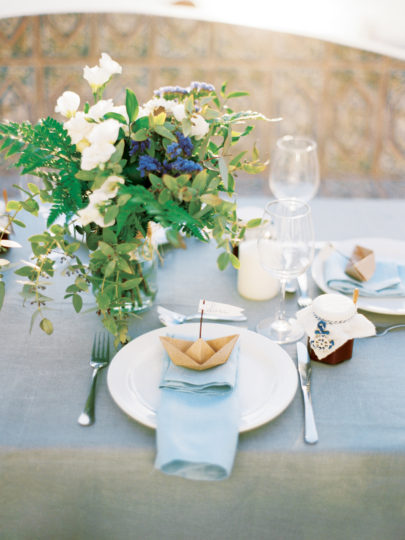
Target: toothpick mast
x,y
201,319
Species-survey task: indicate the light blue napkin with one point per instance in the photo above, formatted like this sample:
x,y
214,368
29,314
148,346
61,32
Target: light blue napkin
x,y
387,280
198,420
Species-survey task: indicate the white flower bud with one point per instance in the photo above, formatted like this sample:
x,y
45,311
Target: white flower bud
x,y
101,108
110,186
199,126
179,111
96,76
96,154
105,132
109,65
67,104
78,127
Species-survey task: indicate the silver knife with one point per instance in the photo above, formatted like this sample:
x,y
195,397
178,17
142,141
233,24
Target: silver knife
x,y
304,370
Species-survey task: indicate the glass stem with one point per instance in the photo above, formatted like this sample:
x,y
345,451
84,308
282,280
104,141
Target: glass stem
x,y
281,309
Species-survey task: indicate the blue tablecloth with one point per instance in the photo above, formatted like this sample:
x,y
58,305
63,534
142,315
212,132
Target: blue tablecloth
x,y
60,480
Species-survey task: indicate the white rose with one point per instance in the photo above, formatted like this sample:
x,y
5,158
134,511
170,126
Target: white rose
x,y
78,128
101,108
96,76
110,186
179,111
106,132
95,154
109,65
199,126
67,104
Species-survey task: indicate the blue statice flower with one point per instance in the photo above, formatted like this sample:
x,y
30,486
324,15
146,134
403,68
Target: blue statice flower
x,y
149,164
167,91
173,150
182,165
201,87
139,146
185,144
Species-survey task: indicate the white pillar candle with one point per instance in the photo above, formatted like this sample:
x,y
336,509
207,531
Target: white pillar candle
x,y
254,282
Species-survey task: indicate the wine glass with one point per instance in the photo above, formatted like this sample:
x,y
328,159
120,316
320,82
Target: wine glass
x,y
286,249
294,171
294,174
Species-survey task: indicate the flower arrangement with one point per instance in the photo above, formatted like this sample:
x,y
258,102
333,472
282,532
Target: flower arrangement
x,y
110,171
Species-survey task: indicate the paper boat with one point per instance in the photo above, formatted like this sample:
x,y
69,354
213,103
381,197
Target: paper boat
x,y
362,264
200,354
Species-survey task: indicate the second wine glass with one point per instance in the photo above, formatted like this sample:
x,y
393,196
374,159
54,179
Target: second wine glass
x,y
286,248
294,172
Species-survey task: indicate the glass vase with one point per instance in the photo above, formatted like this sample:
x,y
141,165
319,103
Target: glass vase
x,y
140,297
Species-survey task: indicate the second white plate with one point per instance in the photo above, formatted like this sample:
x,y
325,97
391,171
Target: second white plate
x,y
384,248
267,375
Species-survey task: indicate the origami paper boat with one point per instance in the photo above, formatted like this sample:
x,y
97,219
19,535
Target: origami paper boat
x,y
362,264
200,354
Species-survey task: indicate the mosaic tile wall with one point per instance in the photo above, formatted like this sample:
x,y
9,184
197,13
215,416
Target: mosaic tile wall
x,y
351,101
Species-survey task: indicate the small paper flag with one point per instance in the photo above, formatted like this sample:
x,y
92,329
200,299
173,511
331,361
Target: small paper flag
x,y
217,308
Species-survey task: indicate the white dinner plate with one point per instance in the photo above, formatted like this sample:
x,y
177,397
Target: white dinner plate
x,y
384,248
267,375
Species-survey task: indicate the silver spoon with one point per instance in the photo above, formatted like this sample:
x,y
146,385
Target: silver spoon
x,y
168,317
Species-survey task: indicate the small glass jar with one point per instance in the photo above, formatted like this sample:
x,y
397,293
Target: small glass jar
x,y
331,311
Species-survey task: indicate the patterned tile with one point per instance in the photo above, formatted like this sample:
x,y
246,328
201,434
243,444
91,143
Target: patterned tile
x,y
345,54
125,35
16,38
297,94
349,136
17,85
177,38
239,43
298,48
133,77
65,36
392,157
57,79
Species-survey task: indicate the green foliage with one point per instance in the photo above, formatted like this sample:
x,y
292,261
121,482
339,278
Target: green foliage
x,y
176,173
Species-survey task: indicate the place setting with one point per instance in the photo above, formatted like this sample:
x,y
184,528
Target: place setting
x,y
257,376
133,178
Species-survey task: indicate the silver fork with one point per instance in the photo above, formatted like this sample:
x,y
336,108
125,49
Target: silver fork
x,y
100,357
382,331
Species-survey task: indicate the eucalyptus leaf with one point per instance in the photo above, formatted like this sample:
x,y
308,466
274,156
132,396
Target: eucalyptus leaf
x,y
46,326
103,300
106,249
77,302
140,135
223,260
234,261
109,269
115,116
212,200
164,132
131,104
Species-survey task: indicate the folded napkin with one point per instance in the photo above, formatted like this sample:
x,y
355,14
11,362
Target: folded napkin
x,y
387,280
198,420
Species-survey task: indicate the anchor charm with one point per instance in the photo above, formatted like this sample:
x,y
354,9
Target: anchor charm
x,y
321,341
